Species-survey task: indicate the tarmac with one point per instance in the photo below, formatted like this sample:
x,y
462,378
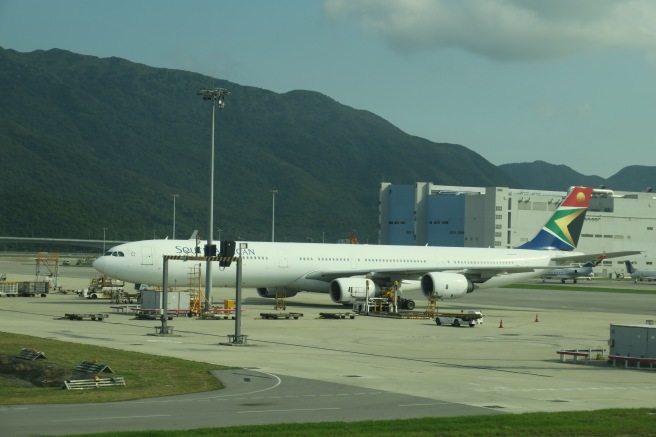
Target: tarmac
x,y
508,364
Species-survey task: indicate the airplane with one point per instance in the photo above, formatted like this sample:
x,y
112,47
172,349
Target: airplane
x,y
350,271
639,273
573,273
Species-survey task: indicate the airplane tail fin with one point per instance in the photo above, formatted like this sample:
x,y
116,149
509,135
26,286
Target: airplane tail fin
x,y
629,267
595,262
563,229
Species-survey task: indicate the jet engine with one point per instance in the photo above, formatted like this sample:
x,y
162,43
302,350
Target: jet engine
x,y
271,292
445,285
344,290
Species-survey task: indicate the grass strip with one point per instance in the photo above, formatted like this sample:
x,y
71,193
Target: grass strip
x,y
146,375
579,288
614,422
150,376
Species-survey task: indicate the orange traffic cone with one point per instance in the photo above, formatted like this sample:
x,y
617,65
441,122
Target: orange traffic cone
x,y
501,323
536,318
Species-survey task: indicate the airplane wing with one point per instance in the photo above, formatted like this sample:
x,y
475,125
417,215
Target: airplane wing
x,y
581,257
476,275
330,275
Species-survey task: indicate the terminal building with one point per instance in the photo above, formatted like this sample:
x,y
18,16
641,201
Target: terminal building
x,y
438,215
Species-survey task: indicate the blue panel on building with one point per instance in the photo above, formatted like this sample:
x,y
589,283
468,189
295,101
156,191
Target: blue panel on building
x,y
446,220
402,215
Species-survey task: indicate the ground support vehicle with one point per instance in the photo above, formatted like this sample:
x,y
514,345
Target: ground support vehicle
x,y
384,304
276,316
8,289
336,315
104,288
470,318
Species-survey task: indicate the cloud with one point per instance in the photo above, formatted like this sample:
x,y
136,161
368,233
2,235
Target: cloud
x,y
505,30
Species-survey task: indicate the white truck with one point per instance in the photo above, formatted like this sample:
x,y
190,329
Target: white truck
x,y
470,318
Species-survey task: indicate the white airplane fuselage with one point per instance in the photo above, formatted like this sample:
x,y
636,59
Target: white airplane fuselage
x,y
569,273
644,274
312,266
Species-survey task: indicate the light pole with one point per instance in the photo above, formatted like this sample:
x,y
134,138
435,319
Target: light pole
x,y
104,229
215,96
219,231
273,213
174,196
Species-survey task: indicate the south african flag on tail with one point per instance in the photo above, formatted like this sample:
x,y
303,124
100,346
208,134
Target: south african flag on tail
x,y
563,229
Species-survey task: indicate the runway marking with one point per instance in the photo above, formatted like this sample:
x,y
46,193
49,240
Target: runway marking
x,y
164,341
86,419
294,409
418,360
426,404
508,389
222,397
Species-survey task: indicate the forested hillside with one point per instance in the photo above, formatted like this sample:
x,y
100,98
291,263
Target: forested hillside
x,y
91,143
540,175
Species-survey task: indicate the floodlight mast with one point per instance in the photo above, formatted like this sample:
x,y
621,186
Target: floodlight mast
x,y
216,96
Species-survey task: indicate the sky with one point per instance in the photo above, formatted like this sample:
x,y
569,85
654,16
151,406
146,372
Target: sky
x,y
564,81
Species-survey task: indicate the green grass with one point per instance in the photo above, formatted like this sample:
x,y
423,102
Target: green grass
x,y
149,376
635,423
145,375
580,288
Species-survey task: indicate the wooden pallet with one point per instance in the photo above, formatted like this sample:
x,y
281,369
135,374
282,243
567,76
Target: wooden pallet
x,y
84,384
30,354
93,368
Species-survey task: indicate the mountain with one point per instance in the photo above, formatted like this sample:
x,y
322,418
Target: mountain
x,y
540,175
92,144
633,178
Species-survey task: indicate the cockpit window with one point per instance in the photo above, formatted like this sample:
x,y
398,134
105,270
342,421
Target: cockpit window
x,y
108,253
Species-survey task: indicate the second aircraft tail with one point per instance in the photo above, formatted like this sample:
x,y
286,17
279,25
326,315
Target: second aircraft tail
x,y
629,267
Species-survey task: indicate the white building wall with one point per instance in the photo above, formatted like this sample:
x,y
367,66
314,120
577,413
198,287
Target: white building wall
x,y
504,217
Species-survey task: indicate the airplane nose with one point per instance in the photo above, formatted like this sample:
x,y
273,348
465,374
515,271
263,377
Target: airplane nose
x,y
99,264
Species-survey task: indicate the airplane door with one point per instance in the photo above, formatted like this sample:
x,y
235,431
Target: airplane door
x,y
282,259
146,255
